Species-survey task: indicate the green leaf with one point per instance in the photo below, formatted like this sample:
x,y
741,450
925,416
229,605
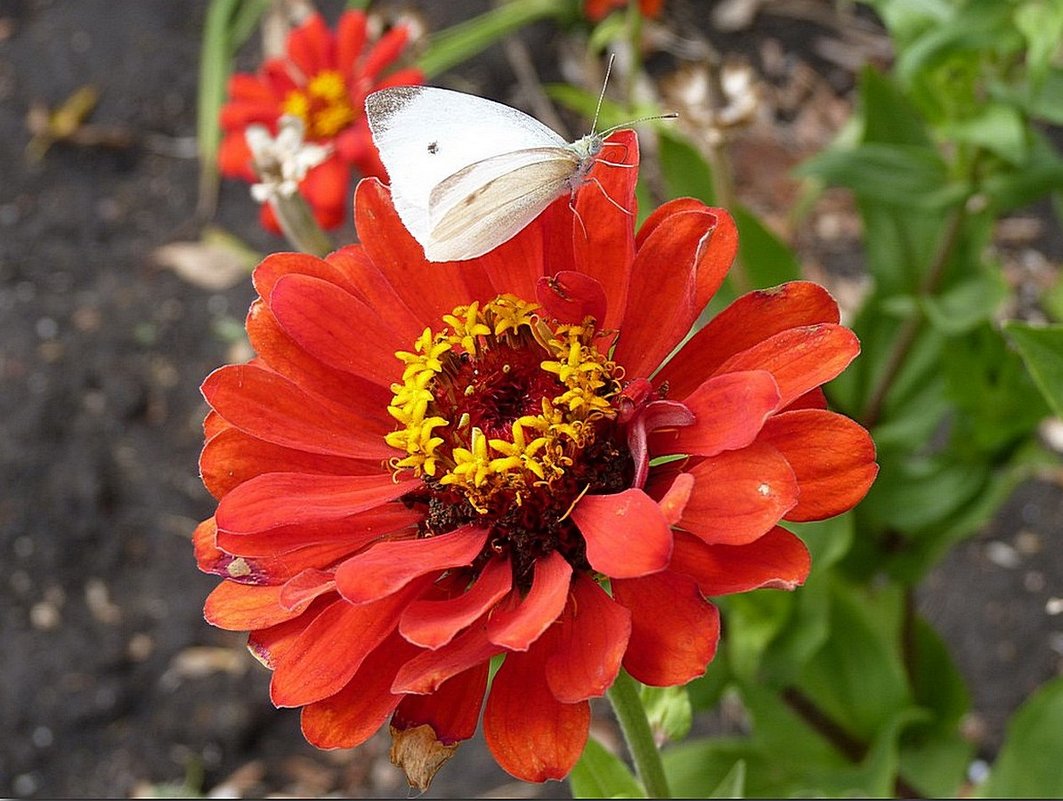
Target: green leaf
x,y
905,175
935,763
967,304
768,262
998,128
857,678
684,170
753,620
733,784
889,116
668,709
1042,350
975,26
601,774
456,44
1041,23
1028,764
214,64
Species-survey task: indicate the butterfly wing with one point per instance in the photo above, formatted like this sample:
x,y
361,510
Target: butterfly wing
x,y
425,134
489,202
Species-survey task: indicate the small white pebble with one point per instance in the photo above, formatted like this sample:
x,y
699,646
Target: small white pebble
x,y
1054,606
1002,554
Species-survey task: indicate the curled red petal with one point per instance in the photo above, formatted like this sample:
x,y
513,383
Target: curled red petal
x,y
518,627
832,456
531,734
739,495
354,714
452,711
627,534
329,651
278,499
589,644
778,560
800,359
604,245
729,411
674,630
272,408
752,318
432,624
571,297
426,672
242,607
388,566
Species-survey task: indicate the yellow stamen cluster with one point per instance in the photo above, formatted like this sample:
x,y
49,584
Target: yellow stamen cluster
x,y
324,105
540,446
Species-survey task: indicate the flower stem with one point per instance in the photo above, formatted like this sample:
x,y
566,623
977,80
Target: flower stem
x,y
298,225
624,696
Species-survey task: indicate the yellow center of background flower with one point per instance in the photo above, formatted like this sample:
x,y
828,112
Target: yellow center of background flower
x,y
500,401
324,105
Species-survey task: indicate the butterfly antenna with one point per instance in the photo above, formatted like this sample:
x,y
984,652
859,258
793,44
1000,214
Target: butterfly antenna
x,y
601,97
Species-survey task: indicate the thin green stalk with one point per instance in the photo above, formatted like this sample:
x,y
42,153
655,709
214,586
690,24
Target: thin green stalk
x,y
634,33
624,696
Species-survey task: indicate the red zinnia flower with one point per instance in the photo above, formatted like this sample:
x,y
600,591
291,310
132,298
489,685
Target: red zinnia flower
x,y
387,525
598,9
323,80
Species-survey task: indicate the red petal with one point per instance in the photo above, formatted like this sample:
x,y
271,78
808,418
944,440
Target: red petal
x,y
800,358
310,46
356,531
531,734
350,39
518,627
280,499
729,412
242,607
301,589
432,624
326,188
353,715
428,289
452,711
426,672
270,644
279,352
675,500
571,297
329,651
205,547
337,328
388,566
716,251
232,457
627,534
272,408
234,157
832,456
664,297
590,642
604,245
277,265
778,560
376,290
674,630
384,51
739,495
751,319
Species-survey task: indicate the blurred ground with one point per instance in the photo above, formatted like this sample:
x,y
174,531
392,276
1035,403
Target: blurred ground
x,y
112,684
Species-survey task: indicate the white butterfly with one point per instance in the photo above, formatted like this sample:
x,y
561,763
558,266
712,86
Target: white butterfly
x,y
466,173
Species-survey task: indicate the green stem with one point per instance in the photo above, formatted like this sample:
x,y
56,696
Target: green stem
x,y
624,696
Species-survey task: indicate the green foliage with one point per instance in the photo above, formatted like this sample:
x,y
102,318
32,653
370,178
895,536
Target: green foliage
x,y
601,774
1042,350
1028,764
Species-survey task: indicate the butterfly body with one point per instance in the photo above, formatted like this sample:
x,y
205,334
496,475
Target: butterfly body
x,y
467,173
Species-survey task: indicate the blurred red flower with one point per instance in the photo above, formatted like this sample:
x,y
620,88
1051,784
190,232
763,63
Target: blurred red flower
x,y
386,526
598,9
323,79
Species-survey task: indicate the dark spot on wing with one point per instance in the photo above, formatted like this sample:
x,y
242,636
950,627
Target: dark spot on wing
x,y
433,147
